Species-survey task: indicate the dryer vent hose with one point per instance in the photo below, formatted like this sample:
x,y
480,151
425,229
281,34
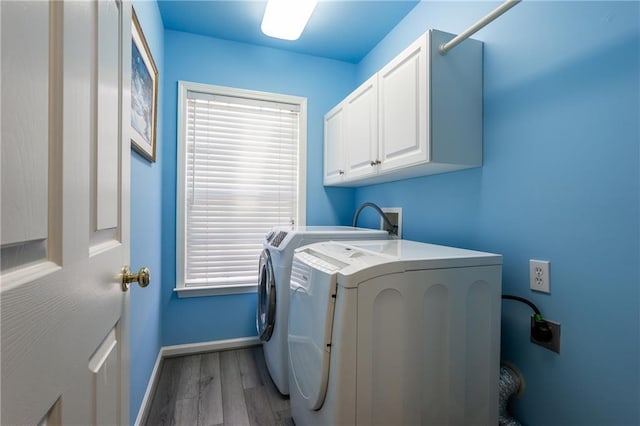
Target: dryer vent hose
x,y
394,228
511,383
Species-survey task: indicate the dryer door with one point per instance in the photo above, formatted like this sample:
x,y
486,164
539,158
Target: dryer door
x,y
311,306
266,312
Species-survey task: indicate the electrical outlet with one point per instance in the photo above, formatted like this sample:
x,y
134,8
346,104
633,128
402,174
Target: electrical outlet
x,y
554,343
539,278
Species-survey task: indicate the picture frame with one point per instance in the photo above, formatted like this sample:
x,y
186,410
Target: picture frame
x,y
144,93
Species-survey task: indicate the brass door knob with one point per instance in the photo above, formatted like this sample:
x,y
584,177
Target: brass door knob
x,y
143,277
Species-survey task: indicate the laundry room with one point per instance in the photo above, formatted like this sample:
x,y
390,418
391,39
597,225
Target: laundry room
x,y
559,182
527,186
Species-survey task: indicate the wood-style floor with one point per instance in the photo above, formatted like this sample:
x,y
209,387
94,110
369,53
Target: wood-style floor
x,y
218,388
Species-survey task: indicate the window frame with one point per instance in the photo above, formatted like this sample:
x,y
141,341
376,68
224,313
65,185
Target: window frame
x,y
184,87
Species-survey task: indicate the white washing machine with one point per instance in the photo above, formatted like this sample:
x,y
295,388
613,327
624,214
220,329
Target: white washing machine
x,y
394,333
273,287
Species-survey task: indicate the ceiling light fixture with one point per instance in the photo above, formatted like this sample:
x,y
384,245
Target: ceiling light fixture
x,y
286,19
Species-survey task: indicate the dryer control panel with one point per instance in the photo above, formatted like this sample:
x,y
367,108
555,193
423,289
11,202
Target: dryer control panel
x,y
337,257
277,240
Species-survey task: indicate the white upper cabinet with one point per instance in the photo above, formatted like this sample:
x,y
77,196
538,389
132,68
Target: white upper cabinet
x,y
334,159
420,114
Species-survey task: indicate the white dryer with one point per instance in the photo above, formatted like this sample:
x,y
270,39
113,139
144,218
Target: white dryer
x,y
394,333
273,287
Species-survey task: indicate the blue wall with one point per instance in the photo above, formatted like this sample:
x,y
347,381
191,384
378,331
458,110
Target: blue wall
x,y
146,231
560,182
213,61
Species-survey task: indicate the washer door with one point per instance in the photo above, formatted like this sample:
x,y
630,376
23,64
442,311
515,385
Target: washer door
x,y
266,312
311,308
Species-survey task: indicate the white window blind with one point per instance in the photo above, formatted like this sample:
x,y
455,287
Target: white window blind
x,y
241,179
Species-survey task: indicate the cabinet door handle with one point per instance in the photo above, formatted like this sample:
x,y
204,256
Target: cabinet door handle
x,y
378,162
340,172
373,163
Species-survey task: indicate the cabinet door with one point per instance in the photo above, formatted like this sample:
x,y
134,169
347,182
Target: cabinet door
x,y
334,145
403,119
361,130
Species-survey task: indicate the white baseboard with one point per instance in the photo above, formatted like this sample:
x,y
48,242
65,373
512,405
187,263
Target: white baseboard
x,y
188,349
216,345
148,394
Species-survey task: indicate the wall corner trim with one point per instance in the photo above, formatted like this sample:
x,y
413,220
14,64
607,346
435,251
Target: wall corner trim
x,y
187,349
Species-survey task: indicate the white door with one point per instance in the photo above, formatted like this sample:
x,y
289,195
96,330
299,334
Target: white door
x,y
65,211
361,130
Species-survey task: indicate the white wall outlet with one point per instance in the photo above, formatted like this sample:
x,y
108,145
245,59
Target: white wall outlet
x,y
539,278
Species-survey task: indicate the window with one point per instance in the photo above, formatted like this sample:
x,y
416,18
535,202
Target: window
x,y
241,157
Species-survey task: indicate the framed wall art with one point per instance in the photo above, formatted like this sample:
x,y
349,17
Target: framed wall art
x,y
144,94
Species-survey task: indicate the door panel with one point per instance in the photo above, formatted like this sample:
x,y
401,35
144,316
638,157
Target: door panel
x,y
361,133
104,384
106,104
105,154
404,108
333,145
25,116
60,305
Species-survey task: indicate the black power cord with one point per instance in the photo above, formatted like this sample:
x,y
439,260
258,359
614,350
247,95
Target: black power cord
x,y
540,330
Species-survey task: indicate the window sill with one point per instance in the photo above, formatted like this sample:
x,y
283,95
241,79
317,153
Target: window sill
x,y
214,291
